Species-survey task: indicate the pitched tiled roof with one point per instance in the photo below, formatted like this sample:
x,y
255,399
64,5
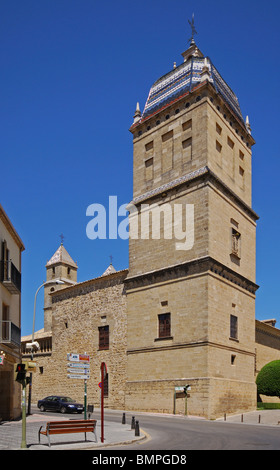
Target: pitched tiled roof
x,y
184,79
109,270
61,256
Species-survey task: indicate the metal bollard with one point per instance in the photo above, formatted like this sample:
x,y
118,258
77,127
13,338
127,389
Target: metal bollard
x,y
90,409
137,432
242,418
123,418
133,423
225,417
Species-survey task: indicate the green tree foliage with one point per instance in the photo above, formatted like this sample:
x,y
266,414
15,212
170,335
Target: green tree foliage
x,y
268,379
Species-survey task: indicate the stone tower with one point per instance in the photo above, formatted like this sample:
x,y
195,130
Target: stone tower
x,y
191,283
61,273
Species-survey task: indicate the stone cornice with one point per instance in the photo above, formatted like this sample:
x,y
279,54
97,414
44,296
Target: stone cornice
x,y
203,174
198,266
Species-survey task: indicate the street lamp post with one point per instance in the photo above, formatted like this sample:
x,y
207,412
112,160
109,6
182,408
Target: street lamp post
x,y
33,343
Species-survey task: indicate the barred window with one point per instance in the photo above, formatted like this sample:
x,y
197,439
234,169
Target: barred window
x,y
104,337
164,325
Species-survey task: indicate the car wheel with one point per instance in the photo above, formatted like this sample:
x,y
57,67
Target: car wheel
x,y
42,408
63,409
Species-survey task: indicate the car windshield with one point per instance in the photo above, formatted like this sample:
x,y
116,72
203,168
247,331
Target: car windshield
x,y
67,399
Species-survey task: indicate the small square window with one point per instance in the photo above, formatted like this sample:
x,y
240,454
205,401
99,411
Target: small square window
x,y
218,146
218,128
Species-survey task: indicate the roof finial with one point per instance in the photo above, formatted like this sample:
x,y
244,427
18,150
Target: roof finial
x,y
248,126
137,114
191,23
62,238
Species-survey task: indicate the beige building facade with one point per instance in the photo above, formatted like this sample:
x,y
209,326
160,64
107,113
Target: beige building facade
x,y
192,149
10,317
184,311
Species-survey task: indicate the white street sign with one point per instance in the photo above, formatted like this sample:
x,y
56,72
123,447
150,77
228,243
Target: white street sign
x,y
78,365
77,376
78,371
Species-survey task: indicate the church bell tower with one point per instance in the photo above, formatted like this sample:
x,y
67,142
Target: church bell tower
x,y
61,273
191,283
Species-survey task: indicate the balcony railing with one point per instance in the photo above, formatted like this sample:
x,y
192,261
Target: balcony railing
x,y
10,277
10,334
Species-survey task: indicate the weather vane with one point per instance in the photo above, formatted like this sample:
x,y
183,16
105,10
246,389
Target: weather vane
x,y
191,23
111,258
62,238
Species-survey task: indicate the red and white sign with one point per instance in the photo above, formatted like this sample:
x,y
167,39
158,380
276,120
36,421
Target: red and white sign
x,y
77,357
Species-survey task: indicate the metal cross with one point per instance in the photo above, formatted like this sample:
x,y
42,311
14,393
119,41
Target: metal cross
x,y
191,23
62,238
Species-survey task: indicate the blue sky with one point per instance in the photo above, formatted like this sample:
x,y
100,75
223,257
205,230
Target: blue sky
x,y
71,74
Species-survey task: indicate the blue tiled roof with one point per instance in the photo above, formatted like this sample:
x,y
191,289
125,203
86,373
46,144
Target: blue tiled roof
x,y
182,80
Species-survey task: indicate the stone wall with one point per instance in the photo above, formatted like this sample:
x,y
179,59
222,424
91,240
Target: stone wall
x,y
78,312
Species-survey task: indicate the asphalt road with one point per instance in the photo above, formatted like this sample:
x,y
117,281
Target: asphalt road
x,y
179,433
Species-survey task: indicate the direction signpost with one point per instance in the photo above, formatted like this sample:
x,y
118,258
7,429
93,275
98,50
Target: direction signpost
x,y
78,367
103,369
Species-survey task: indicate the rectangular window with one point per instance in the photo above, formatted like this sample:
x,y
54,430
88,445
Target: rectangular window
x,y
218,129
5,322
187,125
218,146
149,146
149,169
164,325
167,151
230,142
187,150
233,327
104,337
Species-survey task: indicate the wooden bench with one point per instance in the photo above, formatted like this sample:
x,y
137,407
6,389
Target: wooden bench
x,y
66,427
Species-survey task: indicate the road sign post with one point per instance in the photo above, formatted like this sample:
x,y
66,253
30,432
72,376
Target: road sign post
x,y
23,410
103,373
85,400
79,368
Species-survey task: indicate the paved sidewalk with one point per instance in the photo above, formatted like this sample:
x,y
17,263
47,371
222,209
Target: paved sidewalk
x,y
114,433
258,417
